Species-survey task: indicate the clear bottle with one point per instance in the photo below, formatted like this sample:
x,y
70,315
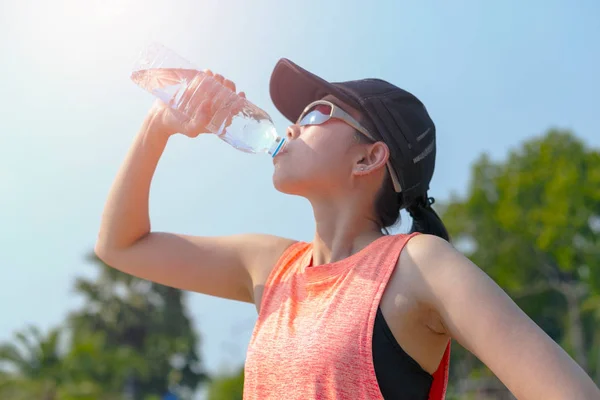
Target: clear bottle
x,y
235,120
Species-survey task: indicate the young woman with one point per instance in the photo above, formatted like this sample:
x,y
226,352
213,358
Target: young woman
x,y
356,313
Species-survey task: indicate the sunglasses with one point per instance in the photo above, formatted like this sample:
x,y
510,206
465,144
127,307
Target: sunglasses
x,y
321,111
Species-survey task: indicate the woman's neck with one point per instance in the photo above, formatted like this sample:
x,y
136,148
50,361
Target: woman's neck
x,y
341,230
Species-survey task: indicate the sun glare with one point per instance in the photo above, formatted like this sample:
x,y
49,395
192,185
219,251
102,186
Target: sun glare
x,y
106,9
77,37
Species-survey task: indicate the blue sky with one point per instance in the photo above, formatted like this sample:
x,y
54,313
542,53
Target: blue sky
x,y
491,75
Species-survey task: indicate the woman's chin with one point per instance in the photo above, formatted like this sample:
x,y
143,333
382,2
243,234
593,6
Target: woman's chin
x,y
282,186
285,184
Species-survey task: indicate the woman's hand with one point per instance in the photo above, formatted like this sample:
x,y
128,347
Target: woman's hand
x,y
164,121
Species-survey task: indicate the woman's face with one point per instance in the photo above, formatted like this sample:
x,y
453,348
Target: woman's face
x,y
319,160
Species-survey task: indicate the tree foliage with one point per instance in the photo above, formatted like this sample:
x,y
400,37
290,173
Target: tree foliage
x,y
132,339
532,223
227,386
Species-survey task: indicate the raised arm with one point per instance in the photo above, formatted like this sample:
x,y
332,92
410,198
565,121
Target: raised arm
x,y
229,267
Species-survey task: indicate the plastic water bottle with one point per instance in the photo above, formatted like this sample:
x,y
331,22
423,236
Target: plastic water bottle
x,y
234,119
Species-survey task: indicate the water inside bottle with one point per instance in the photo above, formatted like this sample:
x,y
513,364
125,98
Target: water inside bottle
x,y
249,133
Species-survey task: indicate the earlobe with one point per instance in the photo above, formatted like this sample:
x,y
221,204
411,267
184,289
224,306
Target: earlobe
x,y
361,170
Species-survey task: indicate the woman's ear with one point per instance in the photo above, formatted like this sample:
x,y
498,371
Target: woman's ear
x,y
374,157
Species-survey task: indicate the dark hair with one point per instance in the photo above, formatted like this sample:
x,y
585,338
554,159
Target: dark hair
x,y
425,220
389,203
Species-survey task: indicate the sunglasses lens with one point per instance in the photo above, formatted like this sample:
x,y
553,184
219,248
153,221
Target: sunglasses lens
x,y
317,115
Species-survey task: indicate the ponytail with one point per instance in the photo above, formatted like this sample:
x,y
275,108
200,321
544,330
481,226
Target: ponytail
x,y
425,219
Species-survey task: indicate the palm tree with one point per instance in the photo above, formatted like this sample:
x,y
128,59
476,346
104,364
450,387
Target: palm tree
x,y
147,320
31,367
35,367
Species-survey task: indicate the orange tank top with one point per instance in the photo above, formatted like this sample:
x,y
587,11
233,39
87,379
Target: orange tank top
x,y
313,336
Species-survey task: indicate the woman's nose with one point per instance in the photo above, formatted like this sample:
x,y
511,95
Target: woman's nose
x,y
293,131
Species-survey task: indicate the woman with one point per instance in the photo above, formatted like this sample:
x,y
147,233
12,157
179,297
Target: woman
x,y
356,313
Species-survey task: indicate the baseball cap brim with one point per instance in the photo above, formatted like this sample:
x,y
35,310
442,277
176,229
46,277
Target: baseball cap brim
x,y
292,88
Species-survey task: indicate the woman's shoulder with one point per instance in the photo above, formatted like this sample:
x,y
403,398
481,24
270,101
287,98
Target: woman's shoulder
x,y
281,251
434,269
293,250
423,258
424,248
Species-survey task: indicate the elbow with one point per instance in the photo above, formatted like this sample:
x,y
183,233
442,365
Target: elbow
x,y
111,252
107,249
103,252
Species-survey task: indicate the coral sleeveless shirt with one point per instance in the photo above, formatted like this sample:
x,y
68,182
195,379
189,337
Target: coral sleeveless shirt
x,y
313,336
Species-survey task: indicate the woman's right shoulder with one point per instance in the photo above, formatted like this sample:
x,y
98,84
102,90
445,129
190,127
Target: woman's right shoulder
x,y
272,251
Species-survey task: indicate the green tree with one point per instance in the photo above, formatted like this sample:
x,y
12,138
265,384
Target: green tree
x,y
37,366
144,323
227,386
31,365
532,223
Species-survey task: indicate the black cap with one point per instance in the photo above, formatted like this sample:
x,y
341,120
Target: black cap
x,y
400,119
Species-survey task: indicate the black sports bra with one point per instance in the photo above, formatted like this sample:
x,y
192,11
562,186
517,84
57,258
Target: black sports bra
x,y
399,376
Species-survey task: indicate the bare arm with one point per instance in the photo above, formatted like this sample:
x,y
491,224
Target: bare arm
x,y
482,318
227,267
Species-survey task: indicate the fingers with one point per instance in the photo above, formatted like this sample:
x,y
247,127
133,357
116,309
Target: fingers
x,y
225,82
202,99
186,98
198,90
197,124
221,79
229,85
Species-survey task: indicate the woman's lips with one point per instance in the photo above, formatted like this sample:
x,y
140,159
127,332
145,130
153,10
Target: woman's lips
x,y
282,151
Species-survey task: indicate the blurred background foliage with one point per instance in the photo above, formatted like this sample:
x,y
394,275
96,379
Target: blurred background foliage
x,y
530,221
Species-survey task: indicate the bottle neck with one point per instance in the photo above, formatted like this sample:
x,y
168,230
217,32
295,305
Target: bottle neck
x,y
277,146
